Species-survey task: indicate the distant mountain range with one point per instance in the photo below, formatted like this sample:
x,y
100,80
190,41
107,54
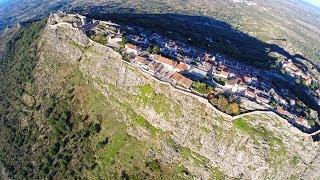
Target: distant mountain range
x,y
292,24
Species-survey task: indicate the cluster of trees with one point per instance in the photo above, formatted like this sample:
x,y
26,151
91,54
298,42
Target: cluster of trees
x,y
99,38
154,49
219,80
225,103
202,88
53,148
67,140
123,42
16,70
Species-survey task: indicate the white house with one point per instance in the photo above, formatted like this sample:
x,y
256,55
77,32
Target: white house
x,y
115,38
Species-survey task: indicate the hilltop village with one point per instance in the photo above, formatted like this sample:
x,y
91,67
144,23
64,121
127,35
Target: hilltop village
x,y
230,86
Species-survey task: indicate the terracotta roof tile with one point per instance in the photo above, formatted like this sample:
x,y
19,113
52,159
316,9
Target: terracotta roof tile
x,y
182,66
166,60
131,46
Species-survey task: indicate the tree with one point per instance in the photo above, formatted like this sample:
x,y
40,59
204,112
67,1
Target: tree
x,y
202,88
123,42
233,109
156,50
149,50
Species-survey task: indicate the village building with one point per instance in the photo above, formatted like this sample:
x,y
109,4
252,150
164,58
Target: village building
x,y
282,111
197,73
88,25
130,48
137,39
263,97
168,63
247,79
181,67
205,66
302,121
171,45
209,58
292,102
176,77
250,93
294,71
289,66
187,60
146,64
235,84
114,38
221,71
185,82
318,92
307,80
139,60
180,57
180,80
155,67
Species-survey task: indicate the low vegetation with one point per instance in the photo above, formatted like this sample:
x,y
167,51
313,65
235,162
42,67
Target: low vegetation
x,y
16,78
202,88
154,49
277,153
225,103
159,102
99,38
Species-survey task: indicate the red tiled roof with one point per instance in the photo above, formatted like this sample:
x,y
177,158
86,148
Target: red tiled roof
x,y
131,46
154,66
234,81
294,68
306,78
140,59
183,81
176,76
223,72
186,82
247,78
250,92
182,66
281,110
221,67
166,60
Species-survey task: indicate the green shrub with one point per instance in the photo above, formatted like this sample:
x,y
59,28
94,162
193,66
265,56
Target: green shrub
x,y
99,38
153,165
202,88
225,104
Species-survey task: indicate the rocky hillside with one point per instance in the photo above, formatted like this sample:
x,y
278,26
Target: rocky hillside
x,y
72,108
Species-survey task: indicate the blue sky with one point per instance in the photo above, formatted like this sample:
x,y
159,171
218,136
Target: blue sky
x,y
2,1
314,2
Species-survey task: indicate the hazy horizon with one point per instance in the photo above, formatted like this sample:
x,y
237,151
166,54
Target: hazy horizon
x,y
313,2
